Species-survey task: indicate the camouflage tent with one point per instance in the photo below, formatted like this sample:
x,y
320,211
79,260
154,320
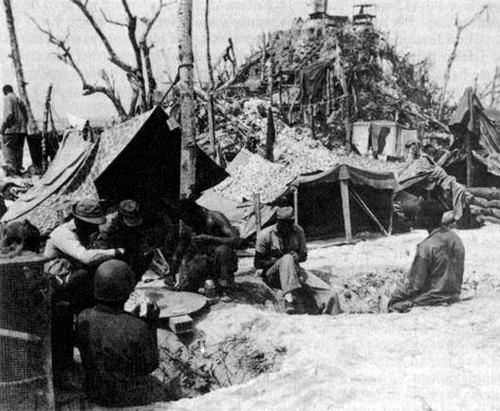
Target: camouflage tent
x,y
138,159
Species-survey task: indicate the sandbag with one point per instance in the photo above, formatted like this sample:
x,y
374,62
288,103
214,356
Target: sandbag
x,y
479,202
490,219
493,204
490,193
475,210
492,212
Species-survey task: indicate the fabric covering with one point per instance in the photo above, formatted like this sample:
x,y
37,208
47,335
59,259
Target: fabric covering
x,y
431,177
313,80
486,143
377,180
137,159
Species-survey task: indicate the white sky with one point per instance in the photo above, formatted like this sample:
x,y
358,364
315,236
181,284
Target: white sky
x,y
425,28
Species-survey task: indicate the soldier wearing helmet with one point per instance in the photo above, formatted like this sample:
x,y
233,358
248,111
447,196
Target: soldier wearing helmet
x,y
119,350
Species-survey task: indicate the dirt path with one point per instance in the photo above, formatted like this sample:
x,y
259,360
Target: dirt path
x,y
442,358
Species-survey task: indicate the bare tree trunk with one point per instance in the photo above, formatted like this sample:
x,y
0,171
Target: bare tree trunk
x,y
453,56
211,115
45,131
186,87
494,87
18,66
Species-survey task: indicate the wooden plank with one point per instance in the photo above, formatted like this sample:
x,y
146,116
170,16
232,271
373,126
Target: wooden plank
x,y
258,220
181,325
344,192
296,205
19,335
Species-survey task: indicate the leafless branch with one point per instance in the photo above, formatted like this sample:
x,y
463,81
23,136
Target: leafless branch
x,y
113,56
66,57
150,22
110,21
451,59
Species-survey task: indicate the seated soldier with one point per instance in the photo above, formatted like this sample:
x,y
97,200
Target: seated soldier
x,y
72,267
278,251
118,350
124,230
205,249
437,271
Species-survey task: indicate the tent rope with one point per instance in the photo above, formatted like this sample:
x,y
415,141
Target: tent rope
x,y
363,205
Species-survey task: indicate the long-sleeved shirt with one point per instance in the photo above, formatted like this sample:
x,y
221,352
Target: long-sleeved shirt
x,y
270,244
64,243
437,271
14,119
118,352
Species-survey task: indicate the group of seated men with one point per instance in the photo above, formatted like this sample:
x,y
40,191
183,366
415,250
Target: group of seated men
x,y
95,264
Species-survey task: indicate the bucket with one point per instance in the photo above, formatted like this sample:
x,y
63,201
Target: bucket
x,y
25,380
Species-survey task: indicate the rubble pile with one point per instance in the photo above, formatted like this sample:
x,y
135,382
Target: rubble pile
x,y
257,176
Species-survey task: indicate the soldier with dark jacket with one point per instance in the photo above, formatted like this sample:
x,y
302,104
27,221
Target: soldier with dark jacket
x,y
119,350
436,274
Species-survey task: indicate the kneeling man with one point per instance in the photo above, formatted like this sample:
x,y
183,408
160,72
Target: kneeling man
x,y
437,271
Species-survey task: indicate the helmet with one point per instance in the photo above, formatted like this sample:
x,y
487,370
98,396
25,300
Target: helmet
x,y
113,282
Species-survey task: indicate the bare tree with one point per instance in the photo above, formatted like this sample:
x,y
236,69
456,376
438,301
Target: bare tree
x,y
211,82
451,59
139,73
18,67
186,88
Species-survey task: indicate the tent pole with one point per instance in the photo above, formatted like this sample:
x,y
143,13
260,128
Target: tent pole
x,y
296,205
344,192
258,221
468,149
368,211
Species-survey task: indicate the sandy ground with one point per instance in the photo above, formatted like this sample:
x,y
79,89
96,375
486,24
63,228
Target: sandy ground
x,y
440,358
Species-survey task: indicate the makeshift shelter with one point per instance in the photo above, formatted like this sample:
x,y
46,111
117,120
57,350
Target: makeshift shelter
x,y
385,138
424,178
138,159
344,199
475,133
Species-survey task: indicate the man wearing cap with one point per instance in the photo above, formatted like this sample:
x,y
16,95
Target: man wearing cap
x,y
278,251
119,351
124,230
71,267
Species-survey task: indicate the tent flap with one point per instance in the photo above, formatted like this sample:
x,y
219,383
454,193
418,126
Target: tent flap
x,y
377,180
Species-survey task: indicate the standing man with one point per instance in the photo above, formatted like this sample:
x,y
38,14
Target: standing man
x,y
119,350
437,271
13,130
278,251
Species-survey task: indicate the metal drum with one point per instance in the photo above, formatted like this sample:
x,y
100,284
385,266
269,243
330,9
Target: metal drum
x,y
25,356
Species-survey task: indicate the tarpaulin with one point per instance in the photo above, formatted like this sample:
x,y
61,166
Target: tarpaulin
x,y
377,180
313,79
431,177
485,138
313,82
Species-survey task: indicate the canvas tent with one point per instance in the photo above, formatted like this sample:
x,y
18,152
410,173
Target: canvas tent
x,y
471,123
344,199
138,159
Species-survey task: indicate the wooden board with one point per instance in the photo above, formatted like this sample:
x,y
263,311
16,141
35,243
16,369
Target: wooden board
x,y
171,303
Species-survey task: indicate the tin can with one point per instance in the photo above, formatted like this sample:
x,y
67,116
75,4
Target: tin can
x,y
209,288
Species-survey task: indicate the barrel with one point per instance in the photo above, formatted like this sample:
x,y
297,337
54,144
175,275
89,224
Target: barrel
x,y
25,373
